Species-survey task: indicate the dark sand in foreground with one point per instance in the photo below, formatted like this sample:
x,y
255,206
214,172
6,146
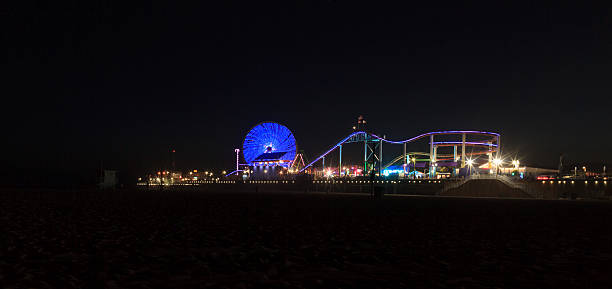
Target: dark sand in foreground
x,y
137,239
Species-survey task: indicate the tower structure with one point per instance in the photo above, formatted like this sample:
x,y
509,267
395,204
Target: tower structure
x,y
361,123
237,160
173,160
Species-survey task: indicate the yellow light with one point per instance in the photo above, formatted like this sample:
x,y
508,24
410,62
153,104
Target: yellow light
x,y
195,171
497,162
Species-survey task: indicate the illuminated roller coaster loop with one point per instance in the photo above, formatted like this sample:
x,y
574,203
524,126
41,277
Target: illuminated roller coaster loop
x,y
493,145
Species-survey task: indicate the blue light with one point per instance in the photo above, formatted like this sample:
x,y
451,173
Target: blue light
x,y
386,173
268,138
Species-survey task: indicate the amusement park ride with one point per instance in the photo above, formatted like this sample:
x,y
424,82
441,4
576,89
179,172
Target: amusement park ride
x,y
272,147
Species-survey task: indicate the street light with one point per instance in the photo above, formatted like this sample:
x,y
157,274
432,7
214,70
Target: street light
x,y
435,168
470,163
516,164
497,162
413,159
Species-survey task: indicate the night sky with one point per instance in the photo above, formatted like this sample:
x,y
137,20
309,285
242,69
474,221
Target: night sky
x,y
126,82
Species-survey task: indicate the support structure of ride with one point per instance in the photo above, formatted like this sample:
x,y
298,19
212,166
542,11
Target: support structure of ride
x,y
478,143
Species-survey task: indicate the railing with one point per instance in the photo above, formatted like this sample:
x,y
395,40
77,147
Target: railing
x,y
453,185
502,178
521,186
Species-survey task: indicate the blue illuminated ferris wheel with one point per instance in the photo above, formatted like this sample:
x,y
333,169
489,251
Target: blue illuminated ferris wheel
x,y
269,144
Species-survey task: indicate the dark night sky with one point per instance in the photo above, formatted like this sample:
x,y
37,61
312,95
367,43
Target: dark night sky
x,y
126,82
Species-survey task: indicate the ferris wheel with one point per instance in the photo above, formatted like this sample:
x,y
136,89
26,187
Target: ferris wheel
x,y
269,143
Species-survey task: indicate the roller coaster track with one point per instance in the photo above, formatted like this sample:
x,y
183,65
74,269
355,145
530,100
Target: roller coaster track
x,y
400,157
346,139
439,157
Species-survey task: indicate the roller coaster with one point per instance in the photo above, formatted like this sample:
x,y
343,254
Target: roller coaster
x,y
373,149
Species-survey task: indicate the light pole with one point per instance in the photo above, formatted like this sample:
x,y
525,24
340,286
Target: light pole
x,y
435,167
413,167
497,163
516,166
575,172
237,159
469,162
